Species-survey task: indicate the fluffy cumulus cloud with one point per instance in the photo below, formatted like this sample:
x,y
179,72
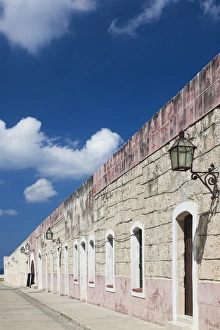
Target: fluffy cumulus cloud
x,y
26,146
8,212
152,11
39,191
33,24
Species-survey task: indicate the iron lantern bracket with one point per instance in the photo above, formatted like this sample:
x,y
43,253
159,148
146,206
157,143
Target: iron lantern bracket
x,y
209,179
57,242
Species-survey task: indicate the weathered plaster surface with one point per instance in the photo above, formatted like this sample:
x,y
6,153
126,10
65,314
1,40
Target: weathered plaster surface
x,y
79,212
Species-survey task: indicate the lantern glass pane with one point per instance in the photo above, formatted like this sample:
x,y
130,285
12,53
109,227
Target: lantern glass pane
x,y
174,158
182,157
189,157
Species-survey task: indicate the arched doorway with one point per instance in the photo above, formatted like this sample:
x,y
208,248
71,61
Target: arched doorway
x,y
46,272
185,268
39,270
188,276
32,273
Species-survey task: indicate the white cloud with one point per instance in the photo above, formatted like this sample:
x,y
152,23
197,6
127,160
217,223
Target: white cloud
x,y
25,146
33,24
152,11
20,144
210,8
39,191
8,212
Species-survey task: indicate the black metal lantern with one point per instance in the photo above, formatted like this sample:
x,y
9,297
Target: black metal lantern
x,y
27,247
182,153
49,234
22,249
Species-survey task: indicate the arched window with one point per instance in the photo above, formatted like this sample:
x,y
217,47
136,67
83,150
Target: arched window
x,y
137,259
83,270
91,262
110,267
75,262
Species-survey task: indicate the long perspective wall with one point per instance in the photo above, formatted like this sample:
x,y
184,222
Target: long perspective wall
x,y
137,237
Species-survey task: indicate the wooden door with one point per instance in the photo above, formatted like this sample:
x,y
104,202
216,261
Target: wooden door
x,y
140,258
188,265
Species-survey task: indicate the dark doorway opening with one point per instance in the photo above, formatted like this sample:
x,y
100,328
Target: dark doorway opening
x,y
188,280
32,272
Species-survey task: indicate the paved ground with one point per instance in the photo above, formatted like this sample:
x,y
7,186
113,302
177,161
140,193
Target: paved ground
x,y
86,316
20,312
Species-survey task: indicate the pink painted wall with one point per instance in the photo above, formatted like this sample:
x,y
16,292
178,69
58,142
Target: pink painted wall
x,y
48,281
74,288
156,307
55,283
62,285
197,98
209,306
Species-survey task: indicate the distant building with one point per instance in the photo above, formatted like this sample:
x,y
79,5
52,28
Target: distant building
x,y
137,237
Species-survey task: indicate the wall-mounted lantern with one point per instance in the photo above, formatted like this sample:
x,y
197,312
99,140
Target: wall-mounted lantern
x,y
27,247
49,236
22,249
182,154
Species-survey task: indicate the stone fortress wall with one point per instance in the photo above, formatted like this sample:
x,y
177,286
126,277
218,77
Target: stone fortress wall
x,y
121,232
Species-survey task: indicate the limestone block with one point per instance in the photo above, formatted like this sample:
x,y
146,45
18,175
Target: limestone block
x,y
212,247
206,270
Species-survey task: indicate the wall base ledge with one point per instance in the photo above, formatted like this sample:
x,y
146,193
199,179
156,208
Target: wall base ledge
x,y
176,325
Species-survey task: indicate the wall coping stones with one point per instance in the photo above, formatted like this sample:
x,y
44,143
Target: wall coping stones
x,y
195,100
51,220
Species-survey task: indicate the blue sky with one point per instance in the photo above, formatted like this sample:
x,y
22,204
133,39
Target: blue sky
x,y
77,79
